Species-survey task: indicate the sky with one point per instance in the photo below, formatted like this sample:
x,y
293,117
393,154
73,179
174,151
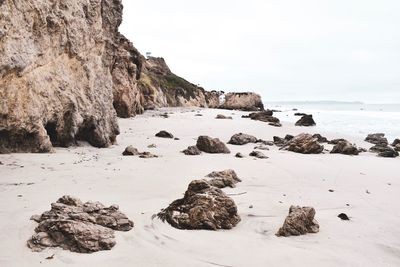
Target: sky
x,y
285,50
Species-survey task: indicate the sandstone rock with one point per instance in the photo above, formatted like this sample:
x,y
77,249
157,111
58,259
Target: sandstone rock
x,y
336,141
305,144
147,155
130,151
223,117
164,134
345,147
192,151
258,154
377,139
78,227
306,120
242,139
300,221
55,74
243,101
278,141
239,155
397,147
211,145
203,207
222,179
321,138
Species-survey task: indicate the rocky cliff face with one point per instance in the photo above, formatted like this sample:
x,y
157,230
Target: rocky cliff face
x,y
55,79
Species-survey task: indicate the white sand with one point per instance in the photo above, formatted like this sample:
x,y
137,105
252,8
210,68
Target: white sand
x,y
141,187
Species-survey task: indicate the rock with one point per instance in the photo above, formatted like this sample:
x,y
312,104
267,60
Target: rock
x,y
239,155
243,101
305,144
78,227
388,153
300,114
278,141
397,148
211,145
306,120
192,151
224,179
223,117
336,141
396,142
147,155
275,124
264,116
203,207
377,139
261,147
300,221
242,139
258,154
130,151
321,138
345,147
344,217
164,134
288,137
152,146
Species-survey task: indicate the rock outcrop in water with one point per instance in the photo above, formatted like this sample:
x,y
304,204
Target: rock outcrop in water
x,y
243,101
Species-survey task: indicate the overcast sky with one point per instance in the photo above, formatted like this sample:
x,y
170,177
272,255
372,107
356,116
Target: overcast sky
x,y
282,49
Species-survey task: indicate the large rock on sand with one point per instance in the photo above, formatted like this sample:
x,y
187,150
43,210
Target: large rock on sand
x,y
306,120
191,151
300,221
203,207
211,145
164,134
78,227
222,179
377,139
264,116
242,139
243,101
345,147
305,144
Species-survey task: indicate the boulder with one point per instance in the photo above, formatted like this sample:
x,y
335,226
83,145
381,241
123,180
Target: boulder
x,y
275,124
264,116
130,151
387,152
305,144
243,101
345,147
223,117
377,139
336,141
306,120
239,155
258,154
202,207
242,139
78,227
396,142
164,134
300,221
321,138
147,155
211,145
222,179
192,151
300,114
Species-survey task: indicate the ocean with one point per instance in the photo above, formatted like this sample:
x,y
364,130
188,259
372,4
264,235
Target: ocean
x,y
346,118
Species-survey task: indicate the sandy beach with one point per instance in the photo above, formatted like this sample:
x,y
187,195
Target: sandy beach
x,y
365,187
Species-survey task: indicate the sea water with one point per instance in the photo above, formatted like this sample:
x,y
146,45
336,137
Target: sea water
x,y
349,119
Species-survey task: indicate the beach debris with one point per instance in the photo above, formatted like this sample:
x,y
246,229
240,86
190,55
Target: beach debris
x,y
199,115
346,148
147,155
305,144
152,146
192,151
78,227
211,145
222,179
242,139
278,141
223,117
258,154
202,207
331,190
50,257
164,134
130,151
320,138
306,120
344,217
300,221
377,139
239,155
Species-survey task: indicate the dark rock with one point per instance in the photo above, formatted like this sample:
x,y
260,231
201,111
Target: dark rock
x,y
345,147
192,151
288,137
239,155
242,139
300,221
388,152
300,114
336,141
306,120
203,207
396,142
278,141
199,115
223,117
264,116
147,155
344,217
320,138
211,145
305,144
377,139
130,151
258,154
275,124
243,101
222,179
164,134
78,227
